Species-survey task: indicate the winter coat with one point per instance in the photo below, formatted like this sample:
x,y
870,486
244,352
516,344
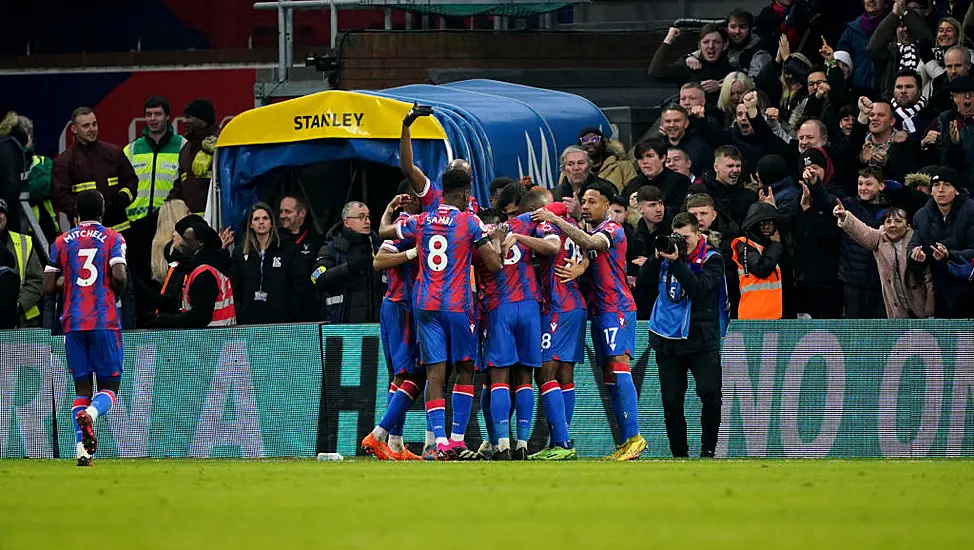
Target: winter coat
x,y
891,261
617,167
12,168
857,267
732,200
956,232
278,275
958,155
855,40
884,52
351,291
668,64
673,185
191,188
815,246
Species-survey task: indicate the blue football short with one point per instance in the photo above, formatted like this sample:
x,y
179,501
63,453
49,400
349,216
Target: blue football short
x,y
613,334
398,338
446,336
97,352
514,335
564,336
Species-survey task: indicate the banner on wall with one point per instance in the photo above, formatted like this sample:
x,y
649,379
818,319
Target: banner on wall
x,y
791,389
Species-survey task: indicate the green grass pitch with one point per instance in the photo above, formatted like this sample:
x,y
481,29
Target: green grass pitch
x,y
285,504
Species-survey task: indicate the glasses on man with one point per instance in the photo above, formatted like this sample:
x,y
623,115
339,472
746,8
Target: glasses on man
x,y
590,140
360,217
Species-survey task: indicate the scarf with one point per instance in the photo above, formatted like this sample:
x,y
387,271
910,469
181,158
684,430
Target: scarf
x,y
869,24
938,55
909,58
786,30
906,114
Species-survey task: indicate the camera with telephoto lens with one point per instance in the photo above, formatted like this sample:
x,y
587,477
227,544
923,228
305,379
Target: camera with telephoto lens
x,y
668,244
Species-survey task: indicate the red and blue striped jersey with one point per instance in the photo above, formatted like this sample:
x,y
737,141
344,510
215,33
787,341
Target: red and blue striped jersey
x,y
516,282
445,240
432,197
85,256
610,291
400,279
559,296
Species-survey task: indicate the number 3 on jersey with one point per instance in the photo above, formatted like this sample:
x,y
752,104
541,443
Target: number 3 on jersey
x,y
88,267
437,259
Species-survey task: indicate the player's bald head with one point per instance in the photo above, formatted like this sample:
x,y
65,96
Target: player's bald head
x,y
460,164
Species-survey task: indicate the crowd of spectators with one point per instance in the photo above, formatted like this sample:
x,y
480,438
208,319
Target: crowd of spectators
x,y
831,153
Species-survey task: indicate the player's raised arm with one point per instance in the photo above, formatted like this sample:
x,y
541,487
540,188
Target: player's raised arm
x,y
412,172
388,225
547,246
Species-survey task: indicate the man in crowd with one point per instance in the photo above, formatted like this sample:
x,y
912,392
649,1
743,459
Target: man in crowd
x,y
675,129
28,270
93,164
651,156
730,196
207,297
343,275
155,158
608,156
196,158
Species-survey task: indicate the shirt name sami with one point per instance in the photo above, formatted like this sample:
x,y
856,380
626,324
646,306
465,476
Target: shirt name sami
x,y
334,120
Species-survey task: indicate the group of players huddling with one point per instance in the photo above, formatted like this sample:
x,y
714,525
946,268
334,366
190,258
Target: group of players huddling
x,y
513,324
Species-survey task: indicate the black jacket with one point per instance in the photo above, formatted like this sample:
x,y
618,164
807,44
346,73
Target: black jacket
x,y
857,266
202,293
730,200
673,185
704,292
11,170
278,278
307,244
350,290
956,232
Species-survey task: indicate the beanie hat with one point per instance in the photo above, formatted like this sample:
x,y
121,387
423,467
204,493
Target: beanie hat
x,y
818,157
772,169
201,109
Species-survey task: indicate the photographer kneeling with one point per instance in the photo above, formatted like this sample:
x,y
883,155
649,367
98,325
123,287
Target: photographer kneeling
x,y
688,320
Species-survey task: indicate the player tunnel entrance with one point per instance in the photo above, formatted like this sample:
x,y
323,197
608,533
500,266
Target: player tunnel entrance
x,y
328,186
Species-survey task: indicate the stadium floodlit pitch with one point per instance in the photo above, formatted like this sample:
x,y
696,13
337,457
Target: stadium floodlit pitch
x,y
283,504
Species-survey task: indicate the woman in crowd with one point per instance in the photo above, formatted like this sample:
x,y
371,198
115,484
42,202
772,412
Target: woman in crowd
x,y
732,91
908,293
265,282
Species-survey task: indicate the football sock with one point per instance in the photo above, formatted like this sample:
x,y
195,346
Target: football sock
x,y
396,410
568,396
462,405
396,444
397,427
488,418
554,407
436,412
628,400
524,397
101,403
80,404
500,411
610,385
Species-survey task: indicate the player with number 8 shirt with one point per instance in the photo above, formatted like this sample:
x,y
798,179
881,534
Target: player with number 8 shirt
x,y
447,333
612,308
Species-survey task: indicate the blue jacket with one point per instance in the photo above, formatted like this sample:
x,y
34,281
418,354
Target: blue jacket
x,y
854,40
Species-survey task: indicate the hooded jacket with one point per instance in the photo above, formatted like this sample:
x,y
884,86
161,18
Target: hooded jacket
x,y
759,263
